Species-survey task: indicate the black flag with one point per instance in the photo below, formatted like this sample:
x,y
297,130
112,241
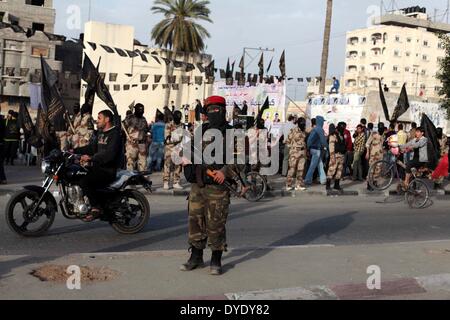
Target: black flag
x,y
242,64
104,94
434,149
383,103
228,73
210,70
89,75
159,115
270,65
261,68
265,107
51,99
402,104
283,64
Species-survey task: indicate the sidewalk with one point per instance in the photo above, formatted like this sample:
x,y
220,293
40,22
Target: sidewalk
x,y
408,271
20,176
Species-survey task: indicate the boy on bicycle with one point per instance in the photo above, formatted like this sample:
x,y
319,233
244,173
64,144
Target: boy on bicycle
x,y
419,146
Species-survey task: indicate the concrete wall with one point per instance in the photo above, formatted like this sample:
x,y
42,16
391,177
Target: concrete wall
x,y
122,37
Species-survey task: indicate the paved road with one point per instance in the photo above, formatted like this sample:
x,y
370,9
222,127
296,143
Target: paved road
x,y
277,222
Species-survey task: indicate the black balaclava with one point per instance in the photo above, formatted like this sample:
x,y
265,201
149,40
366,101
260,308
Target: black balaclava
x,y
76,109
260,124
341,128
381,128
301,122
216,116
139,110
440,133
177,115
331,129
85,109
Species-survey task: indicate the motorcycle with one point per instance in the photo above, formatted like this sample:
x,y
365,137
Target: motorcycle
x,y
31,211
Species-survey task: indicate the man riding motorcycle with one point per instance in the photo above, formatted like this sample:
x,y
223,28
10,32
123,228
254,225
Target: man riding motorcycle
x,y
103,157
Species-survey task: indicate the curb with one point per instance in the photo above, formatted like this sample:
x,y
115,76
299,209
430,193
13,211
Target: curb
x,y
359,291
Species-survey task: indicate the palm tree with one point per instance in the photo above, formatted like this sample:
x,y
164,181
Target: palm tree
x,y
179,31
326,47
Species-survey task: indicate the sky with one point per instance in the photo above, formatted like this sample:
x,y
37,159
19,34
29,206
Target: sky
x,y
292,25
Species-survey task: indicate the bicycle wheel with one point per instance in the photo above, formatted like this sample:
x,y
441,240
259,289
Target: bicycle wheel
x,y
381,175
418,194
257,187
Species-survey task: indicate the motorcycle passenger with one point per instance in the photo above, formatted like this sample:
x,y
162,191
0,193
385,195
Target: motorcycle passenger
x,y
104,160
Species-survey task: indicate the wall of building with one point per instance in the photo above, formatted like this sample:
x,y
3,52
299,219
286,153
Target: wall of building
x,y
123,74
399,55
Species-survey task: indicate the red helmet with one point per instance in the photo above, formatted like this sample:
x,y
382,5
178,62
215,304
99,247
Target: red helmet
x,y
215,100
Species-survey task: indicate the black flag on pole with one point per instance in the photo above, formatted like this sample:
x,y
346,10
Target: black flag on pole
x,y
402,104
51,99
29,130
283,64
434,149
261,68
383,103
89,75
270,65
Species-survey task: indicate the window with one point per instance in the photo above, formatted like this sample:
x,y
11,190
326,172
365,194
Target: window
x,y
409,40
363,54
39,3
364,40
397,53
395,83
2,14
407,69
440,45
425,57
408,54
425,43
395,68
423,87
113,77
126,87
38,51
397,39
38,26
423,72
363,68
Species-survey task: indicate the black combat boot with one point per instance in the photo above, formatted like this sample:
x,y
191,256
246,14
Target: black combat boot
x,y
337,186
216,263
195,261
328,184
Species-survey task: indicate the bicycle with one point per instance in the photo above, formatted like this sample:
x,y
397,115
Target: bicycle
x,y
381,177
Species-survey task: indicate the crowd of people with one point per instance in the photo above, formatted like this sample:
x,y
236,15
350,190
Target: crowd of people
x,y
341,155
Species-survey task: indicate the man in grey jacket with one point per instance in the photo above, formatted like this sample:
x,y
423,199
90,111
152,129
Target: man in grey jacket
x,y
419,147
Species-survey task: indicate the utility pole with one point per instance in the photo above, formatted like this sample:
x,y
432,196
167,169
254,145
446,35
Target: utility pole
x,y
90,7
326,47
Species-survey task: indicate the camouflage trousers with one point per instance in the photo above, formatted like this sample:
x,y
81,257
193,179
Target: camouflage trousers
x,y
208,213
297,162
136,153
374,158
170,168
335,170
63,140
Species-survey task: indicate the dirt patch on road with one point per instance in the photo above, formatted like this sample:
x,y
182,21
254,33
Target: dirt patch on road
x,y
60,274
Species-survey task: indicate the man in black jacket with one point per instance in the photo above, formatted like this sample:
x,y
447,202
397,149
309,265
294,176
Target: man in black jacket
x,y
104,159
2,150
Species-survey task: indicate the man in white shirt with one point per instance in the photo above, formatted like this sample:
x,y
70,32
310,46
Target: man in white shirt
x,y
288,126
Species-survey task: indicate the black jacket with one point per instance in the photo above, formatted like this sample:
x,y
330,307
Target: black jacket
x,y
12,130
106,151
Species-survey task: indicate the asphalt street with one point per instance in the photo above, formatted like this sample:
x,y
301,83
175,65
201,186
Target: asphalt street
x,y
303,220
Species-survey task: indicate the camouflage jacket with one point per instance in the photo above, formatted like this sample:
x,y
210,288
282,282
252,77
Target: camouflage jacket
x,y
375,145
83,126
296,139
137,128
172,139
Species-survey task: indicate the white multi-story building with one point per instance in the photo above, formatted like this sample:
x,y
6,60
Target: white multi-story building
x,y
401,47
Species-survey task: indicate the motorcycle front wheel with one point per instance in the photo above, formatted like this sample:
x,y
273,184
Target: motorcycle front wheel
x,y
23,219
134,213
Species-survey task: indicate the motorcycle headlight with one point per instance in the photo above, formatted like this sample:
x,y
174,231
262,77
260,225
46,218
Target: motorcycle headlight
x,y
45,167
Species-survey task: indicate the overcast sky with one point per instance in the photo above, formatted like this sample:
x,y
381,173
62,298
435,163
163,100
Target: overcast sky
x,y
294,25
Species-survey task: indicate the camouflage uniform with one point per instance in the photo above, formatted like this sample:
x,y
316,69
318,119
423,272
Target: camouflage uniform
x,y
443,145
208,212
136,149
63,140
84,130
374,147
297,157
336,166
169,166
